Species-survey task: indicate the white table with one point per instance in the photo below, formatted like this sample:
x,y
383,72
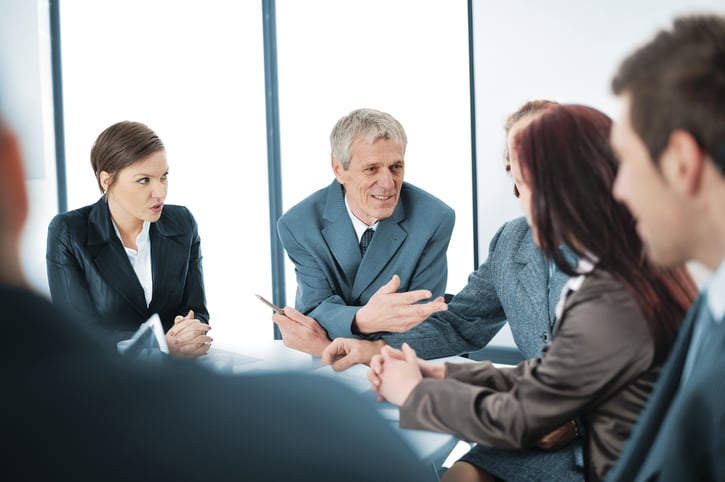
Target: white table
x,y
432,447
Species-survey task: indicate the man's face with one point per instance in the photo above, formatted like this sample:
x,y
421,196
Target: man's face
x,y
647,192
373,179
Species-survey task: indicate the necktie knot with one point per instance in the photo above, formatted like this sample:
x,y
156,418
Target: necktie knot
x,y
365,240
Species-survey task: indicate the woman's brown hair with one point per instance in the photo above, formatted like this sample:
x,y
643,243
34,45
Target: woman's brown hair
x,y
566,159
120,145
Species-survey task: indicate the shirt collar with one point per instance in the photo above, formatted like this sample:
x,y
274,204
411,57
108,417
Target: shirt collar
x,y
143,237
359,226
584,266
715,291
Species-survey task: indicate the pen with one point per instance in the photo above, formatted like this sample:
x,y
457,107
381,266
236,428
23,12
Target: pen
x,y
276,308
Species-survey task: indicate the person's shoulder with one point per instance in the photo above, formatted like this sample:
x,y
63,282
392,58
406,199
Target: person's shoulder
x,y
176,219
20,301
81,213
600,282
177,211
419,197
604,312
303,210
601,288
45,330
517,227
72,220
513,233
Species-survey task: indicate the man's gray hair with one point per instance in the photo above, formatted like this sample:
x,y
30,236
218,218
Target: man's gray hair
x,y
368,125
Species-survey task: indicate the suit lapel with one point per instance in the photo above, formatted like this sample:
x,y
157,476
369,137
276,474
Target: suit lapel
x,y
648,443
678,353
166,252
339,233
387,240
111,258
531,274
340,237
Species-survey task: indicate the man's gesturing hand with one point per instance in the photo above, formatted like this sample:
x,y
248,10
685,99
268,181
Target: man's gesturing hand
x,y
396,312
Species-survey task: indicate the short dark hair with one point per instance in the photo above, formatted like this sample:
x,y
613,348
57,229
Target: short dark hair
x,y
677,81
121,145
566,159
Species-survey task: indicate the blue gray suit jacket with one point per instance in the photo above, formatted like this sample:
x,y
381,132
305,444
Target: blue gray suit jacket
x,y
334,280
680,434
511,285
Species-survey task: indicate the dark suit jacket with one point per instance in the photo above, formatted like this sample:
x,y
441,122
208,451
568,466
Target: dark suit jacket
x,y
89,272
681,433
70,410
334,280
599,367
511,285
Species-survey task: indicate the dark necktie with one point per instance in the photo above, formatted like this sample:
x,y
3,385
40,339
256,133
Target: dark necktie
x,y
365,240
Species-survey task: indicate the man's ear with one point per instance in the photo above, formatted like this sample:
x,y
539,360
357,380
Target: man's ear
x,y
13,196
337,169
683,162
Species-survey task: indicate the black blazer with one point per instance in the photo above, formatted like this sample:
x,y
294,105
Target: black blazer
x,y
89,272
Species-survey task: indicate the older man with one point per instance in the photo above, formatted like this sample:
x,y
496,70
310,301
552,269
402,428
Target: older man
x,y
368,247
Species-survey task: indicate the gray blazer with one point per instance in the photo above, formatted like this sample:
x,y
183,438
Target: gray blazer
x,y
511,285
599,367
680,433
334,280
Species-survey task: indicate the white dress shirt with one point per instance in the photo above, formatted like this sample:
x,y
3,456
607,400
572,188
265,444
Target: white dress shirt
x,y
716,293
360,227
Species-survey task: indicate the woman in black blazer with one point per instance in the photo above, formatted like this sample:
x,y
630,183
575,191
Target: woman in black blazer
x,y
129,255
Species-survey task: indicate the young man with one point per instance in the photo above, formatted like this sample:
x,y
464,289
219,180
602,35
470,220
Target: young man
x,y
671,142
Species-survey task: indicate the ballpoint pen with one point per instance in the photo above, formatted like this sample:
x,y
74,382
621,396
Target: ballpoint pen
x,y
276,308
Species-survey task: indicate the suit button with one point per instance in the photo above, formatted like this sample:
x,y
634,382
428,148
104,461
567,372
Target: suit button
x,y
545,337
